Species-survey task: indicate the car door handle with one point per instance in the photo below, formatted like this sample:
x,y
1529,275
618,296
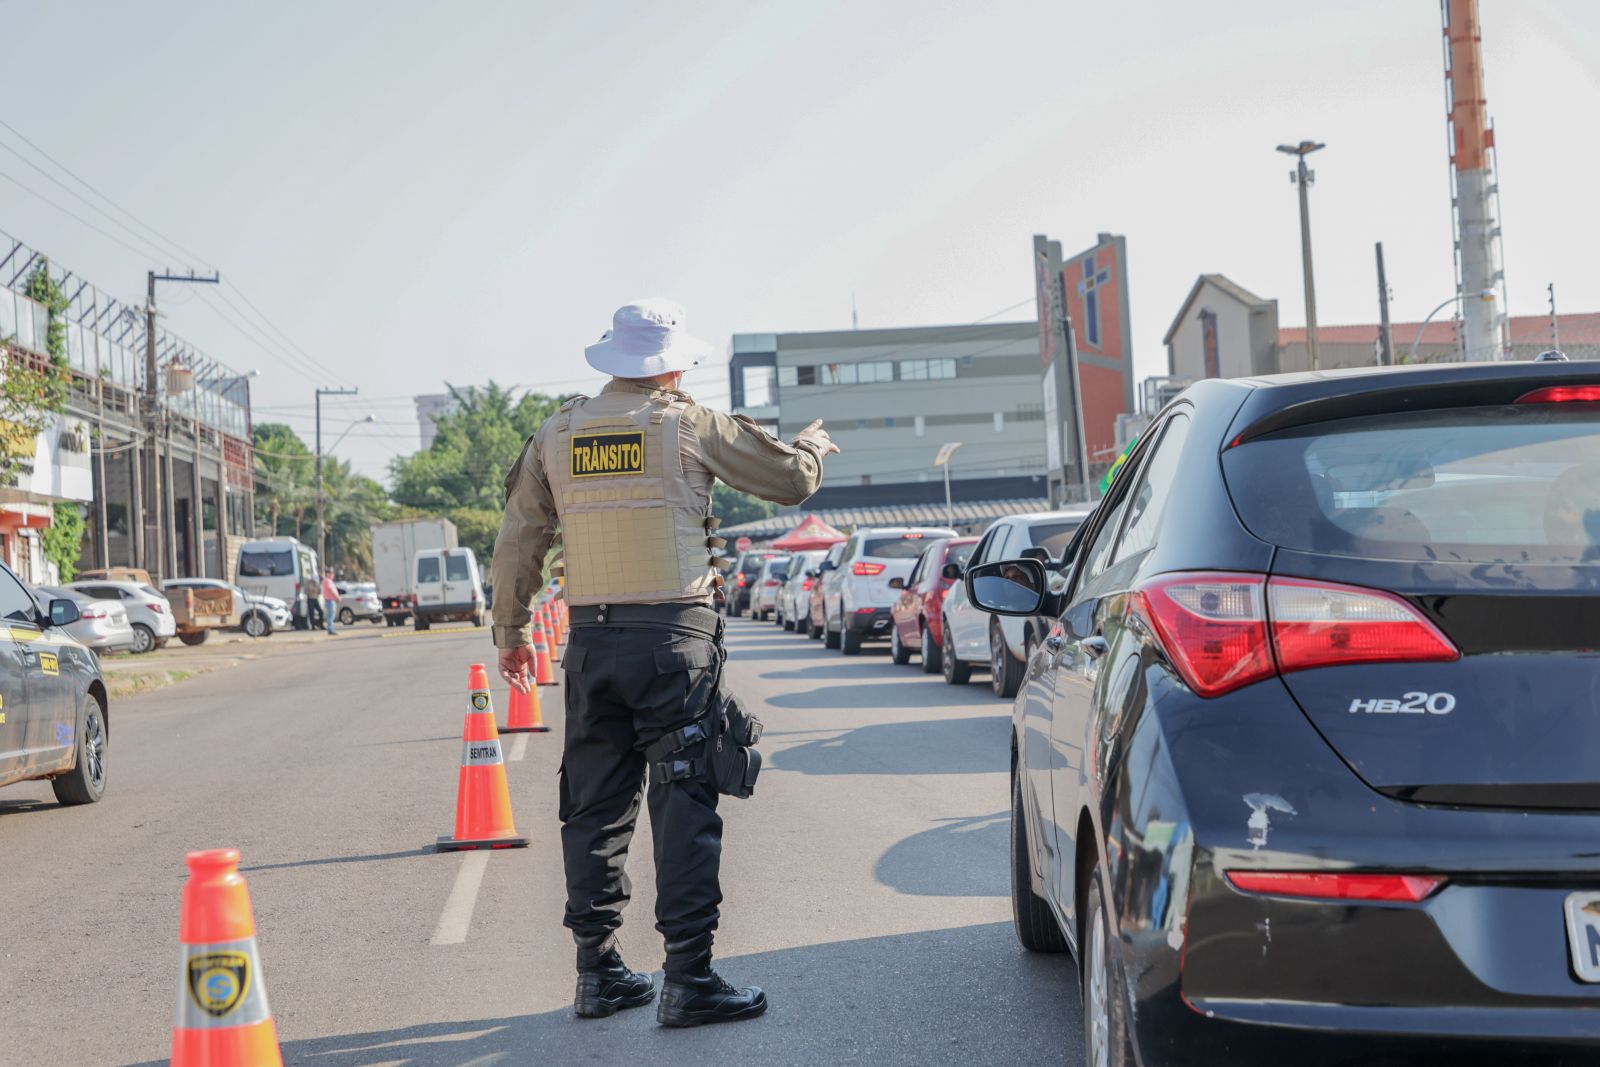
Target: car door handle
x,y
1095,646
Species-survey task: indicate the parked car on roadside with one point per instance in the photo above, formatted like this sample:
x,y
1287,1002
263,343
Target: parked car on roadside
x,y
856,595
816,613
915,619
101,625
742,579
1004,644
448,587
1305,771
764,590
358,600
260,616
794,595
54,723
149,612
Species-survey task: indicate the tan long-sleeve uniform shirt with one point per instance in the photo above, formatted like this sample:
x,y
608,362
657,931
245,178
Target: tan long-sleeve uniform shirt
x,y
731,447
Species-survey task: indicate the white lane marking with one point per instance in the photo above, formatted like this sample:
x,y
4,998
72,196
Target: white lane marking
x,y
519,748
457,914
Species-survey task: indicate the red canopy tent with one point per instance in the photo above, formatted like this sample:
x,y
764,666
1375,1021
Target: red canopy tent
x,y
811,533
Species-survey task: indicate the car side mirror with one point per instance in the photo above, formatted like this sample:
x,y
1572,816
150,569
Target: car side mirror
x,y
825,566
897,583
1009,587
64,612
951,572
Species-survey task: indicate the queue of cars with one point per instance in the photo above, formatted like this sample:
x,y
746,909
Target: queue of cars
x,y
1301,744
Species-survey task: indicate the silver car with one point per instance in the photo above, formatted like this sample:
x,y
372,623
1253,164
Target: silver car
x,y
794,596
358,600
764,589
149,612
101,625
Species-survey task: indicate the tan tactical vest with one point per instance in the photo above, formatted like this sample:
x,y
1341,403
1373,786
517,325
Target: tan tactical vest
x,y
635,506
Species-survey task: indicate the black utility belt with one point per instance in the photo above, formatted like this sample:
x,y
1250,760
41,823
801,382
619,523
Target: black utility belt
x,y
689,617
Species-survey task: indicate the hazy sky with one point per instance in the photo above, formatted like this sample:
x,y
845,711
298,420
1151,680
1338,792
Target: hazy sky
x,y
418,193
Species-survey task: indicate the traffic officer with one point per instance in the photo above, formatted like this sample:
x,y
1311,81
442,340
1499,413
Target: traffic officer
x,y
621,484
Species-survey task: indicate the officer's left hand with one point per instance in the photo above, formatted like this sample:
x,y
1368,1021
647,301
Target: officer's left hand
x,y
516,665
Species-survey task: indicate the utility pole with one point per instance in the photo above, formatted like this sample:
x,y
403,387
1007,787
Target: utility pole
x,y
1385,337
160,546
322,526
1303,177
1555,323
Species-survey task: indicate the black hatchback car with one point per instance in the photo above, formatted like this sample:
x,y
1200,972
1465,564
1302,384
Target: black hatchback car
x,y
1308,769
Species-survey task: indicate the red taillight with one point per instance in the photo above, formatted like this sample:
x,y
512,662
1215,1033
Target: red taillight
x,y
1562,394
862,567
865,611
1212,626
806,584
1215,627
157,608
773,582
1319,624
739,579
94,613
1332,885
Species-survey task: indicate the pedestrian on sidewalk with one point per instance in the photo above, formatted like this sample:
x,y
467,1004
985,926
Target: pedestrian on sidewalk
x,y
625,478
330,599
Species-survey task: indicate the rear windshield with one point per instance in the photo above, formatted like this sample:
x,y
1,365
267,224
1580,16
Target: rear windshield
x,y
959,554
900,546
1054,536
752,564
1475,485
266,563
777,567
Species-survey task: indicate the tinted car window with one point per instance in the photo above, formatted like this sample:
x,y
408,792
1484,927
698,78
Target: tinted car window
x,y
427,568
1508,485
455,569
1155,485
15,603
897,547
1053,537
922,562
266,563
776,568
959,554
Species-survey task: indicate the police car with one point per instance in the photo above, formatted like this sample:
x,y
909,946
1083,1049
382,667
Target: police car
x,y
53,721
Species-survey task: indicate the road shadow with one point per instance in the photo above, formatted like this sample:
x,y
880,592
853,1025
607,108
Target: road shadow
x,y
928,746
874,697
967,857
863,670
962,995
23,806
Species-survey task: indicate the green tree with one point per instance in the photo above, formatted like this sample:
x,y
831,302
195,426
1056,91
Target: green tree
x,y
461,476
354,504
62,540
285,478
734,507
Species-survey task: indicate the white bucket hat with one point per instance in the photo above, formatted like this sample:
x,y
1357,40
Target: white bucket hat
x,y
647,338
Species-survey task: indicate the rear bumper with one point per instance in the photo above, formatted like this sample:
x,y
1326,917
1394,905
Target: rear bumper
x,y
873,623
447,611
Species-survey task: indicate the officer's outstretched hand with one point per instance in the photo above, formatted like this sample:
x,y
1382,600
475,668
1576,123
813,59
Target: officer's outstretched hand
x,y
516,666
818,436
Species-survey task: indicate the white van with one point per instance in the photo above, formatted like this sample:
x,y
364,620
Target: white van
x,y
282,567
448,587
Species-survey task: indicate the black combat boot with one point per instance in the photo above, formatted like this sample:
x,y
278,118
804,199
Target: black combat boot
x,y
693,994
605,985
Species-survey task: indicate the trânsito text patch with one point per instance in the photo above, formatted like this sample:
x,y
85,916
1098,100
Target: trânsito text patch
x,y
598,454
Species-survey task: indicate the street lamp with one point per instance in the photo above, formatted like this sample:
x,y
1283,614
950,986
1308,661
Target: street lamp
x,y
322,522
1303,177
1487,294
943,460
347,429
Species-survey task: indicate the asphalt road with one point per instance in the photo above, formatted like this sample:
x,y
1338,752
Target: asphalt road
x,y
865,882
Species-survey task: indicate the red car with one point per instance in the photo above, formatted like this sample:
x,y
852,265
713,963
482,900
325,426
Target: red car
x,y
914,618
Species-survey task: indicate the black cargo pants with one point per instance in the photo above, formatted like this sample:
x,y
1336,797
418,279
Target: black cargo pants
x,y
643,672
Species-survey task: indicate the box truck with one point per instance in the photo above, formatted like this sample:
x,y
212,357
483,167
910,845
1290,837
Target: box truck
x,y
394,550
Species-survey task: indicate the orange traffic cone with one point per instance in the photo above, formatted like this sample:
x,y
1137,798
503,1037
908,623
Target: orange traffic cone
x,y
483,801
523,715
543,672
223,1019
